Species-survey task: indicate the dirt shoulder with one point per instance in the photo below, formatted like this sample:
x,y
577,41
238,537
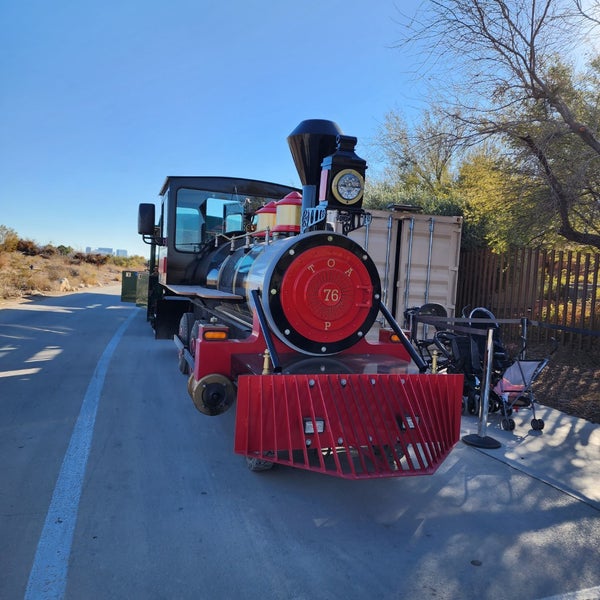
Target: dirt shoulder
x,y
571,383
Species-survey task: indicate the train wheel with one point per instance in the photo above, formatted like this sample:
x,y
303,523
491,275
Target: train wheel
x,y
183,365
256,464
185,328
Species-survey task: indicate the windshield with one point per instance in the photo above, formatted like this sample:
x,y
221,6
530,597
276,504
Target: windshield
x,y
200,215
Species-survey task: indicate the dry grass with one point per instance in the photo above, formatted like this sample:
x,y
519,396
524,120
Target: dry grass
x,y
22,275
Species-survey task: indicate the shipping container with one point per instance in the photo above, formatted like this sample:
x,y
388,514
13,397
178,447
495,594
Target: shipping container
x,y
416,255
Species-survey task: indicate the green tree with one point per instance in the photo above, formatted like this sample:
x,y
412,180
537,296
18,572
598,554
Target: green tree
x,y
421,163
421,158
510,71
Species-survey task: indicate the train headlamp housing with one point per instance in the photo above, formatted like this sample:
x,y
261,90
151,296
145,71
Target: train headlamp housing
x,y
343,176
309,425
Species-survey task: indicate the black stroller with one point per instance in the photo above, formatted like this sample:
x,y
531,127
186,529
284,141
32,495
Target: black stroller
x,y
511,379
422,333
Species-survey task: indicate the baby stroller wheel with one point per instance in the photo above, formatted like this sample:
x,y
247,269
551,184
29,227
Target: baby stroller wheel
x,y
537,424
495,403
473,403
508,424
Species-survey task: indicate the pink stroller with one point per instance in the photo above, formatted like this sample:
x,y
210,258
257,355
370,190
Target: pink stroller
x,y
513,391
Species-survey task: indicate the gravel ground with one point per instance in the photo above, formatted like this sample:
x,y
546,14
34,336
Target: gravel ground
x,y
571,382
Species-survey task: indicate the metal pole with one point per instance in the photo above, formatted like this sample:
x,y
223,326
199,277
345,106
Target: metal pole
x,y
429,253
417,359
386,279
481,440
484,405
411,228
523,352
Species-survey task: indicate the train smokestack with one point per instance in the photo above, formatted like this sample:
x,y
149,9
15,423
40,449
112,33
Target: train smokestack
x,y
310,143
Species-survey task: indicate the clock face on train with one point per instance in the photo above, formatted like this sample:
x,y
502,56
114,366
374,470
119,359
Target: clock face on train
x,y
348,186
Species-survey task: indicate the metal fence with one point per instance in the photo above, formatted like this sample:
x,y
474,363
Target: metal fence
x,y
558,291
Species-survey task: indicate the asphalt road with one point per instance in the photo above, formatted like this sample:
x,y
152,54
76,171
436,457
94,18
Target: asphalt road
x,y
113,486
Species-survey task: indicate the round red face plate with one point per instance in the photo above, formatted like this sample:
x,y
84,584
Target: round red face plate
x,y
326,293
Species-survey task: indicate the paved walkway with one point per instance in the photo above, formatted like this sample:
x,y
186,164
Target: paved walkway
x,y
565,455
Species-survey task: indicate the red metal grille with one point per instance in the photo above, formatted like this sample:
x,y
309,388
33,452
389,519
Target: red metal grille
x,y
374,425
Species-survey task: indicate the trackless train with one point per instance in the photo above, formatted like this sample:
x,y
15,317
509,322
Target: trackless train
x,y
273,311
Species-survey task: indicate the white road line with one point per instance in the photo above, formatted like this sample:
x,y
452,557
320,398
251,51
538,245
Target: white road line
x,y
589,594
48,576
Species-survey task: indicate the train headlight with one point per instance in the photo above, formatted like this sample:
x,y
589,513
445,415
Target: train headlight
x,y
309,425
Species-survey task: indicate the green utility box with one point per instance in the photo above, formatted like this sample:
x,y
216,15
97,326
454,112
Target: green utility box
x,y
129,281
134,287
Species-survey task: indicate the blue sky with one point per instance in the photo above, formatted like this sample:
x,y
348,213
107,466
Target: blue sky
x,y
99,102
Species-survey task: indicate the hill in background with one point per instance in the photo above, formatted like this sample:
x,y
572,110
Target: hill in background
x,y
27,269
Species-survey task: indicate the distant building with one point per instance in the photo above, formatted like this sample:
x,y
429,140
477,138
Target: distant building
x,y
90,250
109,251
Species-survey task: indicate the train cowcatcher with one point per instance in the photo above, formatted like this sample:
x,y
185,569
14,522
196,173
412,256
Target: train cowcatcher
x,y
273,311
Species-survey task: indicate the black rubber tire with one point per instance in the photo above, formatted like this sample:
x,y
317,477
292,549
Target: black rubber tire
x,y
473,403
183,366
537,424
185,328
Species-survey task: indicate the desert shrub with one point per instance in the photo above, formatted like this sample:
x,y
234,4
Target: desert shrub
x,y
27,247
39,280
96,259
88,275
8,239
47,251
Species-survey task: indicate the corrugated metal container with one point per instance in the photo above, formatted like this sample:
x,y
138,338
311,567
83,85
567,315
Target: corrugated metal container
x,y
417,258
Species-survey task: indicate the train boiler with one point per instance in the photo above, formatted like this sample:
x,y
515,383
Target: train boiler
x,y
278,315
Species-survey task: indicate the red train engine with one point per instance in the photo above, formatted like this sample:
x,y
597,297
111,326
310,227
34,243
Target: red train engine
x,y
272,310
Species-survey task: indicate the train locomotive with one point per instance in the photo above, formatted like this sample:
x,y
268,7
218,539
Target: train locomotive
x,y
276,311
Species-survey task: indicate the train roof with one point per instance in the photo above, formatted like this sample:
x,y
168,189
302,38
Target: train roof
x,y
240,185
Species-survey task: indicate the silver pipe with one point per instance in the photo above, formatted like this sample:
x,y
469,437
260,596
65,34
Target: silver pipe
x,y
430,252
485,393
386,273
411,229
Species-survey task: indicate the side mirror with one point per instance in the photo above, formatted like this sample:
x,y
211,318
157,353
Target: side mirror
x,y
146,219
